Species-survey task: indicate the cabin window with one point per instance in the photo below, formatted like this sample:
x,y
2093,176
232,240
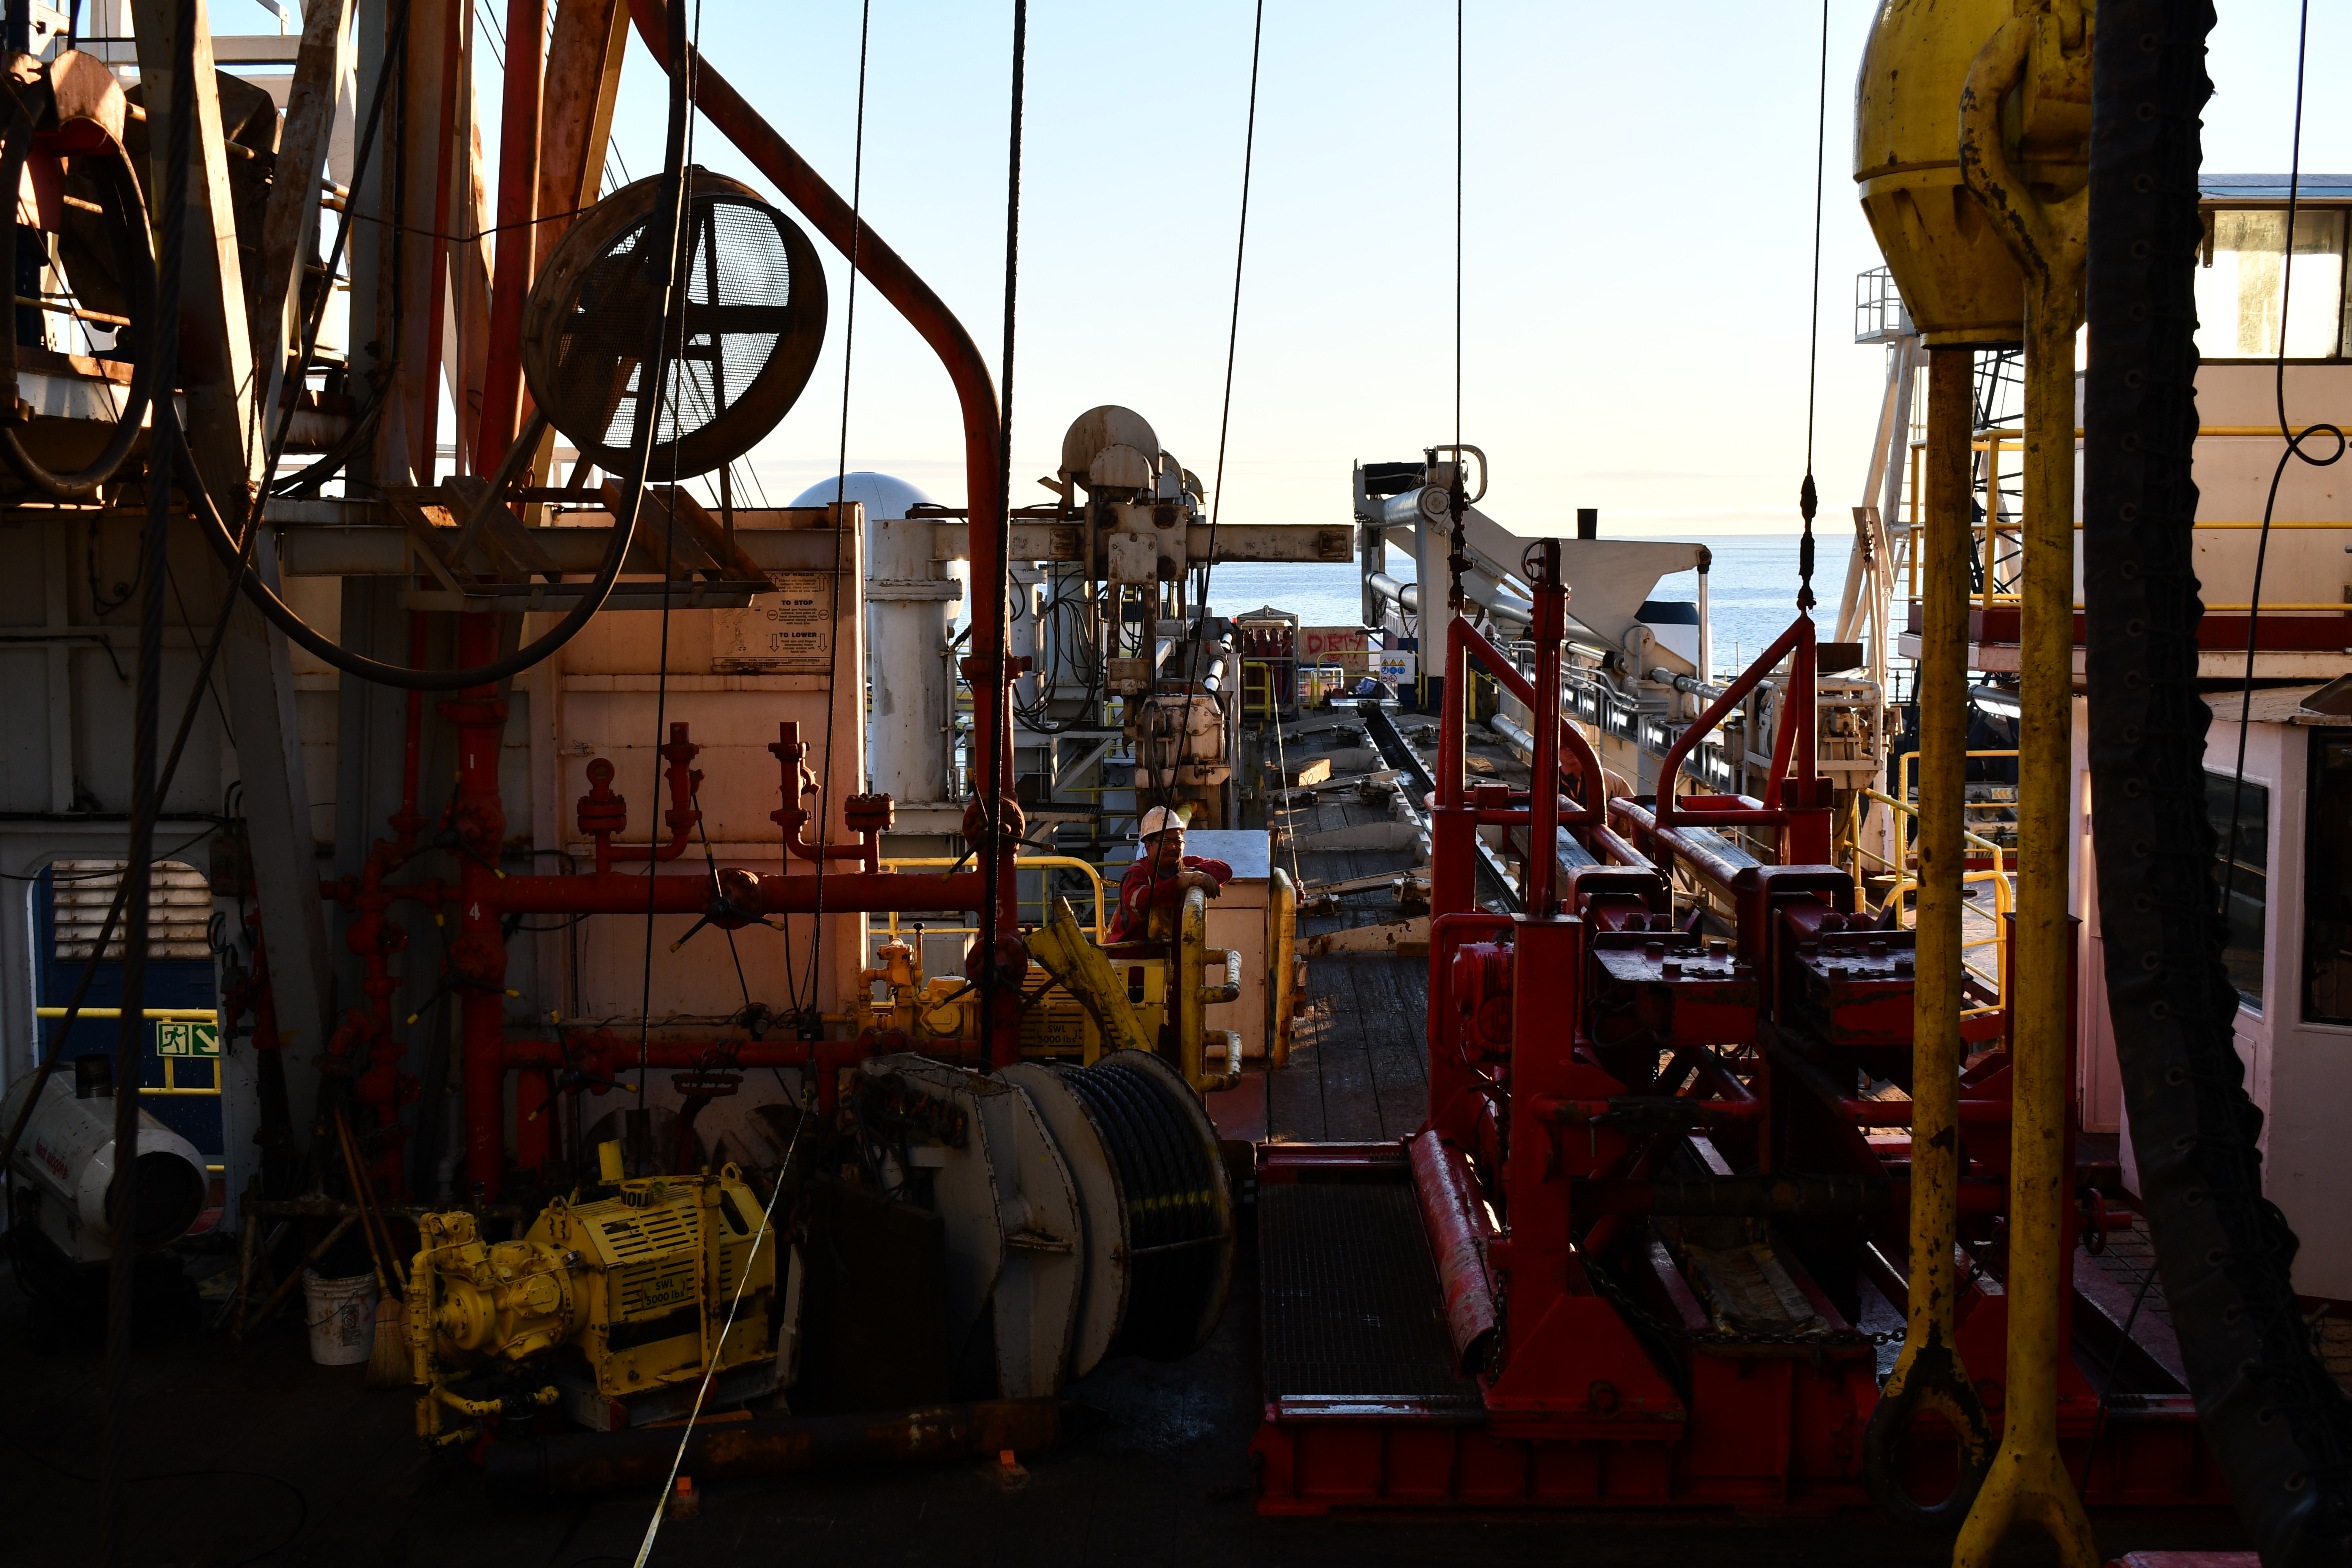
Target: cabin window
x,y
2247,884
2240,281
2327,880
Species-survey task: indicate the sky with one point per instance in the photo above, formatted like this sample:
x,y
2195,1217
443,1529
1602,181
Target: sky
x,y
1637,253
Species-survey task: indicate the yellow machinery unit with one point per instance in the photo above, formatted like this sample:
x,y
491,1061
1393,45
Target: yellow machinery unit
x,y
610,1310
1082,1001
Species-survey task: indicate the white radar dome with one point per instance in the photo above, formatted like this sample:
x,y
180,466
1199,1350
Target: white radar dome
x,y
884,498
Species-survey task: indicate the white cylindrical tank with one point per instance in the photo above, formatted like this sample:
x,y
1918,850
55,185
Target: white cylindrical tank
x,y
910,605
66,1156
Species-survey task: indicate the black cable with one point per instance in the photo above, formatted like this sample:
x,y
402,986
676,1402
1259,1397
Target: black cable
x,y
1808,495
992,747
2295,441
136,267
301,1500
653,391
1167,794
654,365
131,1025
813,1023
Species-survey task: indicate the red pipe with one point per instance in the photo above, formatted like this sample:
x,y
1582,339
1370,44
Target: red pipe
x,y
1543,820
1462,642
799,783
897,282
685,782
846,892
1801,632
1459,1230
518,238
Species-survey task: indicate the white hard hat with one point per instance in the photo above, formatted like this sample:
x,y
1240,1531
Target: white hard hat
x,y
1159,820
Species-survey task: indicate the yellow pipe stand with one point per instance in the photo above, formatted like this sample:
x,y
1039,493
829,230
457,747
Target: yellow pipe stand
x,y
2048,46
1929,1372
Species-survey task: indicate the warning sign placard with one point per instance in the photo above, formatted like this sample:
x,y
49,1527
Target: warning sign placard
x,y
789,629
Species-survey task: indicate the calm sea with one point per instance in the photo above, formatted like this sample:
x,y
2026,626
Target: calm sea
x,y
1751,590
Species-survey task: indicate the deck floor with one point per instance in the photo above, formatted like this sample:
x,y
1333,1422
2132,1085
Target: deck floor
x,y
256,1456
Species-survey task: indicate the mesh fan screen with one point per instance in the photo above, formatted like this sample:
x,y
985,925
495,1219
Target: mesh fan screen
x,y
754,315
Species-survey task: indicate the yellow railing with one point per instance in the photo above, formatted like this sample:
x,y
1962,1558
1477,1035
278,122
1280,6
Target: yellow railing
x,y
1026,863
171,1084
1266,668
2004,890
1999,862
1902,784
2004,900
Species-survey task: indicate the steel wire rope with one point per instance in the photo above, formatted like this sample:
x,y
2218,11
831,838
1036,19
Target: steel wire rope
x,y
1166,793
161,359
812,1025
2295,440
657,395
994,750
683,55
1808,494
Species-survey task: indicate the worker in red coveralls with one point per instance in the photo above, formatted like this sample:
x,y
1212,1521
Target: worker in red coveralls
x,y
1155,886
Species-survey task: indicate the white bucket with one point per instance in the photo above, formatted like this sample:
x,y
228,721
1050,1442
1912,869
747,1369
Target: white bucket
x,y
343,1318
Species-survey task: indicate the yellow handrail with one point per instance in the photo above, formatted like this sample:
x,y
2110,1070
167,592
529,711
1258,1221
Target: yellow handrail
x,y
1908,809
1025,863
164,1015
2004,900
1902,779
1271,709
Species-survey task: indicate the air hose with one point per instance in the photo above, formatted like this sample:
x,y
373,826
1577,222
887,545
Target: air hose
x,y
2275,1423
134,262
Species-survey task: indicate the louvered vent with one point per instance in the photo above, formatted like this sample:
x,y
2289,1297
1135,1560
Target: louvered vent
x,y
180,911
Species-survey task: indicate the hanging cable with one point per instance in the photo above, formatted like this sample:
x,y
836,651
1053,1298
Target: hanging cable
x,y
994,747
1457,552
1807,496
655,396
2295,440
1165,794
813,1024
129,1036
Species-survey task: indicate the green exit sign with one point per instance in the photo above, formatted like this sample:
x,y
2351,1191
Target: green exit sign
x,y
187,1040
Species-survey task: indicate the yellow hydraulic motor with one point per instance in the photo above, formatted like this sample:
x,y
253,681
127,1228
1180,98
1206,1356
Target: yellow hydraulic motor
x,y
610,1310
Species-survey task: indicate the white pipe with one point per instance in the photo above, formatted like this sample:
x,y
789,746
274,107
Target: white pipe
x,y
1706,624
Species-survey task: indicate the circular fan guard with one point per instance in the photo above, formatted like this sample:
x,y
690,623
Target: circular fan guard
x,y
754,320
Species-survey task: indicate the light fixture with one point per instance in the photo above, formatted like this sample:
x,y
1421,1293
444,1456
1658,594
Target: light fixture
x,y
2000,701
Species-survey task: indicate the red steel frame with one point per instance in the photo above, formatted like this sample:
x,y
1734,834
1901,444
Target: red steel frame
x,y
1551,1113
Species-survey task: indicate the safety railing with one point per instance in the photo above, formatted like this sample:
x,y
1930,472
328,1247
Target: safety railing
x,y
171,1084
1269,709
1904,789
1026,863
2004,903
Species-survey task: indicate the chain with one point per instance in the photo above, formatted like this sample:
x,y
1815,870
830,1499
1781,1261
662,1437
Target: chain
x,y
1807,1337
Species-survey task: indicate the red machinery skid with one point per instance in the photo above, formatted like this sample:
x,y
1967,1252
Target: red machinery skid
x,y
1649,1248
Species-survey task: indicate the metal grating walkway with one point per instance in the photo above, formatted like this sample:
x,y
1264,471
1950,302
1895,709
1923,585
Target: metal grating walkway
x,y
1350,1300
